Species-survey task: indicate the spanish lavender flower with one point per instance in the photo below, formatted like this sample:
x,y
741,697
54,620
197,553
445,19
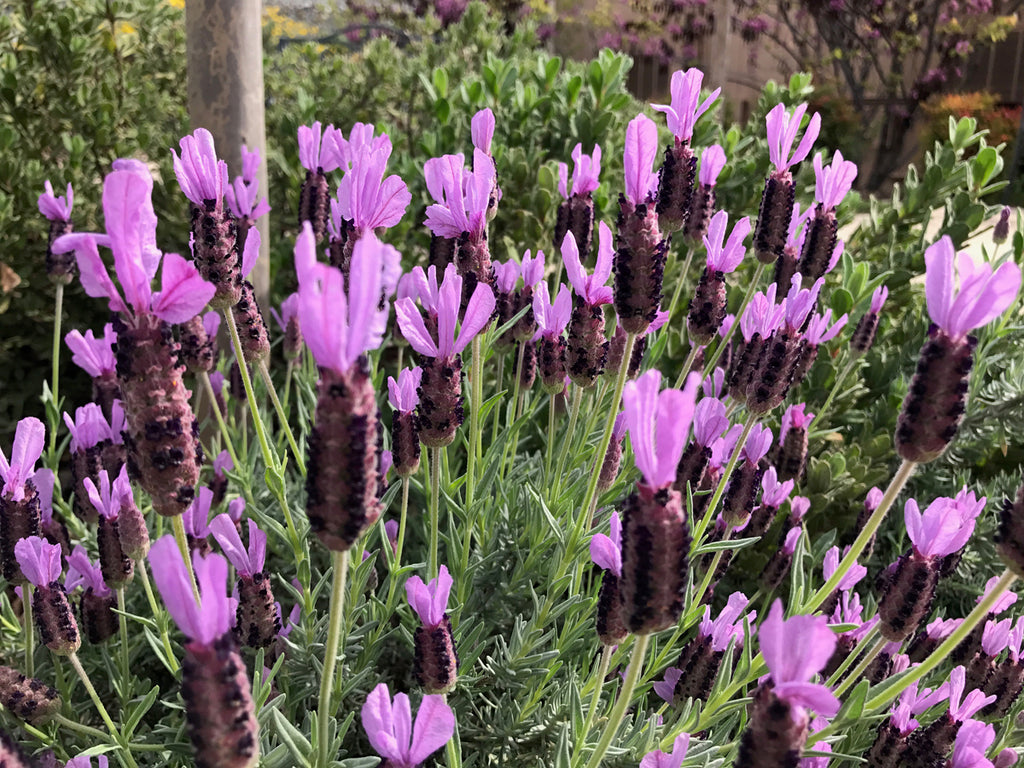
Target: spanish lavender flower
x,y
586,350
864,334
198,339
606,552
440,407
658,759
741,493
90,434
932,743
613,456
850,579
52,528
319,155
820,329
1000,231
640,250
969,507
59,266
831,185
214,684
676,179
481,128
257,622
40,563
532,272
97,603
160,422
243,196
779,193
794,650
405,429
506,275
762,317
117,567
195,521
791,458
552,319
288,319
436,661
655,535
707,308
19,498
937,397
701,658
96,357
1006,679
786,265
848,610
27,698
339,329
576,212
392,733
709,422
972,741
773,496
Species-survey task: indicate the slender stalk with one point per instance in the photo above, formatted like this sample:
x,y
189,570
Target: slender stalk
x,y
58,311
497,388
636,661
435,503
94,733
182,538
124,754
705,583
403,514
702,526
285,398
602,673
550,447
865,662
688,364
517,375
219,417
851,656
30,630
574,414
869,530
140,567
282,417
846,371
476,388
751,290
681,282
335,615
126,669
268,452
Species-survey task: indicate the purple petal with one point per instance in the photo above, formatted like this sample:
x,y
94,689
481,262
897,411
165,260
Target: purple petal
x,y
378,722
223,529
810,695
413,328
640,403
39,560
93,272
364,292
605,554
712,161
174,585
435,726
482,129
183,292
638,159
322,316
251,250
674,414
603,266
478,314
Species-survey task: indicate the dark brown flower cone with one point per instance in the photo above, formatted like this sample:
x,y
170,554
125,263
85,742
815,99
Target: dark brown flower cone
x,y
773,739
440,409
806,356
314,203
742,374
677,179
341,480
879,669
844,647
405,443
27,698
256,620
200,544
968,647
616,349
761,520
528,370
551,364
219,709
86,463
792,458
1010,535
636,360
576,215
700,672
655,549
11,755
18,520
198,350
785,267
526,326
776,570
610,466
774,375
473,260
436,662
610,629
921,647
741,494
339,250
638,266
702,491
132,532
888,748
442,252
54,619
105,390
113,456
773,218
978,670
116,567
707,308
819,244
252,328
937,399
60,267
292,343
161,425
216,253
927,747
504,310
56,532
1005,682
908,596
702,206
691,467
586,350
99,622
864,334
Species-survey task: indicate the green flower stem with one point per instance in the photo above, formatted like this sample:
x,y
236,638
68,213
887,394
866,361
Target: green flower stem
x,y
517,375
282,417
602,673
476,388
269,457
865,662
435,503
94,733
497,388
164,635
124,755
126,669
549,448
702,526
688,364
680,283
861,542
574,414
636,661
30,629
182,538
58,311
851,656
219,417
846,371
335,615
288,373
705,583
751,290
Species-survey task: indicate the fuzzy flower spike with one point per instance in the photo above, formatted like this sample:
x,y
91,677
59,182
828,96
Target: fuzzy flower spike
x,y
20,510
436,660
677,177
576,212
40,561
59,267
937,399
339,328
214,683
702,205
779,192
393,735
257,622
319,155
440,406
640,250
832,183
655,535
403,395
586,352
708,306
552,318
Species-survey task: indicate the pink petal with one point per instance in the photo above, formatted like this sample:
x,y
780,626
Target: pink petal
x,y
251,250
605,554
379,725
413,328
479,310
482,129
183,292
638,159
435,726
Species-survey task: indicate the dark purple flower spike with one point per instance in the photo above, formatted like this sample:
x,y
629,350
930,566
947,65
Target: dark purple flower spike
x,y
702,205
257,622
436,662
576,212
831,185
60,267
97,603
40,561
708,306
319,155
552,319
403,395
606,552
586,350
20,515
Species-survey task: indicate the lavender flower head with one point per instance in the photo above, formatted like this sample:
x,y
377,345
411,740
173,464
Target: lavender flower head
x,y
430,601
658,759
59,267
56,209
658,423
592,288
242,195
82,572
686,107
722,255
712,161
39,560
210,618
606,551
576,212
393,735
202,176
248,560
25,452
782,130
368,199
833,182
402,394
795,650
585,172
638,160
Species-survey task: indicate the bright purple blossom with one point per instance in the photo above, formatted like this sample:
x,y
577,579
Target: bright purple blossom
x,y
759,442
800,301
820,746
729,626
1007,758
392,734
878,298
606,551
912,703
391,532
1005,600
982,295
42,479
797,228
709,421
725,256
585,172
430,600
342,152
822,329
658,759
222,463
366,197
289,310
774,493
714,384
658,423
248,561
795,650
666,687
39,560
481,129
402,394
236,508
995,636
968,504
552,318
27,448
243,195
686,106
852,577
506,275
202,622
941,530
84,573
84,761
461,197
972,741
200,174
962,708
88,428
56,208
532,268
638,159
479,309
590,288
318,150
110,498
763,315
782,130
794,416
721,449
799,506
833,182
196,517
940,629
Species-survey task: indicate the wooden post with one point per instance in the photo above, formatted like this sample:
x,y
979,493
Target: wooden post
x,y
224,43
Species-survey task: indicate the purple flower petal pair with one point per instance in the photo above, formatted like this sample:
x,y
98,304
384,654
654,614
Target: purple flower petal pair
x,y
110,498
794,416
552,317
774,493
56,208
940,530
822,329
782,130
318,149
93,355
658,759
658,424
686,106
202,622
366,197
795,650
84,573
709,421
638,159
430,601
402,394
712,161
248,561
481,129
394,736
759,441
39,560
27,448
201,175
461,197
606,551
833,182
479,309
725,256
852,577
590,288
585,172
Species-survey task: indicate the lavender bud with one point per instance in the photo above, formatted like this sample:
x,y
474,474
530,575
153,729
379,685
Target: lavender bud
x,y
701,207
610,628
60,267
256,620
252,328
792,457
638,266
216,254
819,244
29,699
929,745
1000,232
528,370
436,662
99,622
132,532
864,334
405,443
707,308
888,748
105,390
741,494
773,218
699,665
576,215
776,734
676,181
11,755
54,619
442,252
440,407
116,567
314,202
1005,682
586,351
773,377
198,350
907,597
551,362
